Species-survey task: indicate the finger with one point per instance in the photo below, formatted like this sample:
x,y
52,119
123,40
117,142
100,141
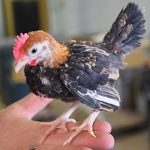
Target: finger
x,y
30,105
102,126
98,126
102,140
55,147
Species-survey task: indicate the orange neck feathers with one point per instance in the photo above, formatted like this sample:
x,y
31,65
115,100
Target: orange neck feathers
x,y
58,52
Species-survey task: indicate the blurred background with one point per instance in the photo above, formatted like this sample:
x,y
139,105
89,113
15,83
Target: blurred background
x,y
81,20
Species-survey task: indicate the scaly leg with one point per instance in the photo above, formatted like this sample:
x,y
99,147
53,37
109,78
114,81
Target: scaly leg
x,y
61,121
86,125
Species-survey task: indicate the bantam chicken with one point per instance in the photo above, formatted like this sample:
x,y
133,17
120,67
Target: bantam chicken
x,y
79,71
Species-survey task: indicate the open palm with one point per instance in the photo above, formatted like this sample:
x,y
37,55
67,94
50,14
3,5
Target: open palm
x,y
19,132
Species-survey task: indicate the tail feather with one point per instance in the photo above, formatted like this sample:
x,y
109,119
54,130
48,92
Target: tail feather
x,y
126,32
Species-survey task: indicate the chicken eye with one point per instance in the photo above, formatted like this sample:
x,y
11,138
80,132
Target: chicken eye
x,y
34,51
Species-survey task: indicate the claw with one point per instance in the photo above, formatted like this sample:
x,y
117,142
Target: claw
x,y
78,130
91,133
58,123
87,128
61,122
86,125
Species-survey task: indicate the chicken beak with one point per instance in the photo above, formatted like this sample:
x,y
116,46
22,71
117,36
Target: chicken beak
x,y
21,63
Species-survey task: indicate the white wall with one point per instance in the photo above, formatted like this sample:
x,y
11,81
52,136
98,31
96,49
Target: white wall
x,y
77,17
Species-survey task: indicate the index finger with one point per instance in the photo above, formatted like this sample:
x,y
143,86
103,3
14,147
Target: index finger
x,y
30,105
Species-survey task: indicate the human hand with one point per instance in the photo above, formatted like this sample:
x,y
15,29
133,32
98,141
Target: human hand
x,y
19,132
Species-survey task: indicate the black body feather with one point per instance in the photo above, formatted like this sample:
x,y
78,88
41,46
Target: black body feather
x,y
46,82
91,71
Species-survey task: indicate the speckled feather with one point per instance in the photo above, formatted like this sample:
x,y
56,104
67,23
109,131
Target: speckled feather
x,y
87,70
46,82
126,32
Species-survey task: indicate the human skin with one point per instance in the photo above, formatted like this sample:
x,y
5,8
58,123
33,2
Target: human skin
x,y
19,132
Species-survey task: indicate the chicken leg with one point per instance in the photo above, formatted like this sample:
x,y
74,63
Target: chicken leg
x,y
86,125
61,121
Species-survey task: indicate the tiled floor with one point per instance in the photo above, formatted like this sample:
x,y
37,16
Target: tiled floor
x,y
137,141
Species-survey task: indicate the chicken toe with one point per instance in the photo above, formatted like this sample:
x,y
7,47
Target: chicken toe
x,y
86,125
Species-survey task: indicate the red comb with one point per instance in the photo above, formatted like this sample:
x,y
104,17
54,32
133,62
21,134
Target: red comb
x,y
19,42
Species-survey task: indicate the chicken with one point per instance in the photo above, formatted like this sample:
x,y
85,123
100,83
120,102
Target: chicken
x,y
79,71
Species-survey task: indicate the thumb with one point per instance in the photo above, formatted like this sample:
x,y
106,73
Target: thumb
x,y
30,105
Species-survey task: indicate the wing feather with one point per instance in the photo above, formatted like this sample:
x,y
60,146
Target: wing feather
x,y
86,74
